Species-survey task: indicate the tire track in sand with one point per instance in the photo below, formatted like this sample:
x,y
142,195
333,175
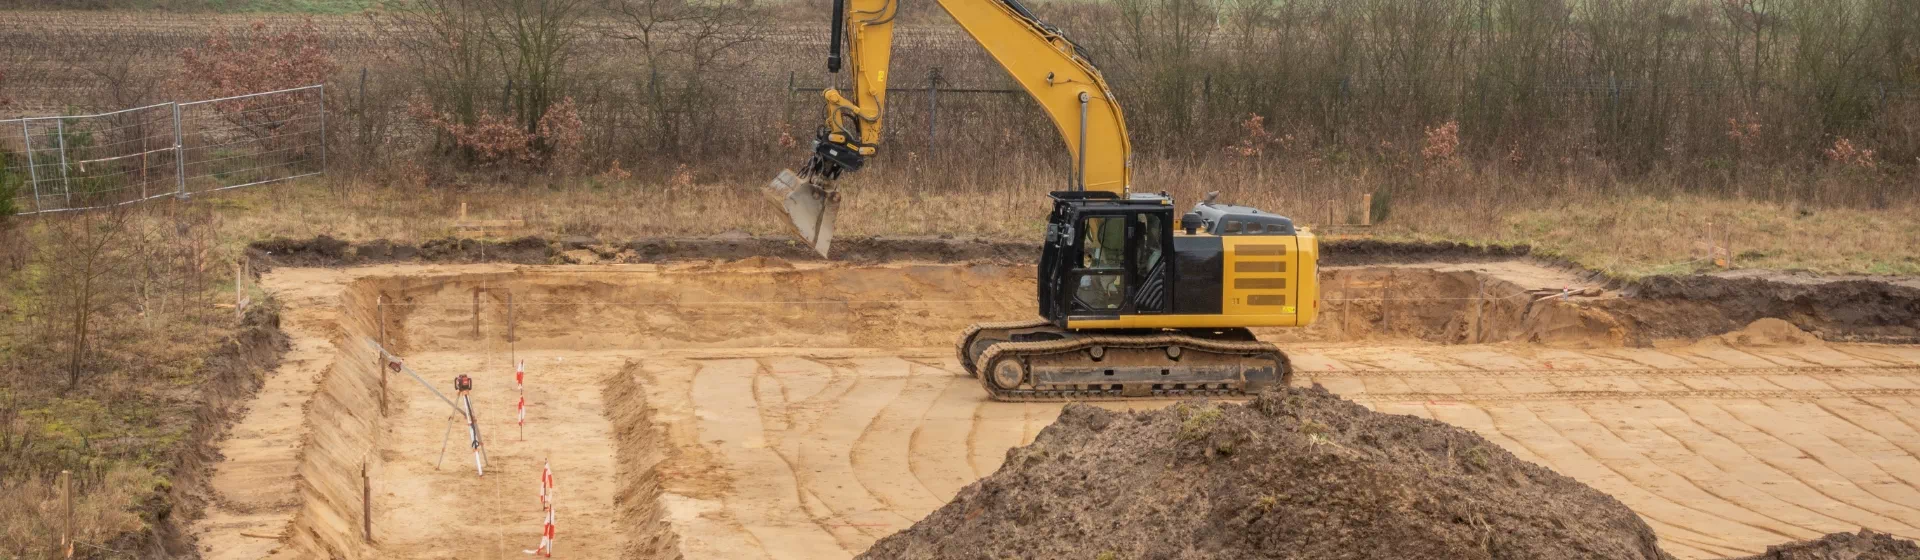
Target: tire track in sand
x,y
759,472
881,455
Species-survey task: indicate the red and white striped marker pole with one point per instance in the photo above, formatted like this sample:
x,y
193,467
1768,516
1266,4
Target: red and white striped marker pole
x,y
520,384
546,503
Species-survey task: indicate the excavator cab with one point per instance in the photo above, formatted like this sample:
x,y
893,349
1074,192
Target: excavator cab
x,y
1106,256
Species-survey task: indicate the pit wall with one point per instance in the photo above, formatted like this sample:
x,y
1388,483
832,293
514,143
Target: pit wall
x,y
1449,307
344,428
893,306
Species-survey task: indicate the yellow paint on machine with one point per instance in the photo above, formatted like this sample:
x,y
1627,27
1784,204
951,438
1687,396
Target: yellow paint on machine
x,y
1270,281
1268,275
1221,321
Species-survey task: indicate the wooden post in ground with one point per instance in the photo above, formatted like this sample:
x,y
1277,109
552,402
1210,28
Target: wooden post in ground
x,y
513,356
66,532
1729,246
476,313
1366,209
1479,310
1346,303
1710,247
380,316
240,296
1386,303
366,502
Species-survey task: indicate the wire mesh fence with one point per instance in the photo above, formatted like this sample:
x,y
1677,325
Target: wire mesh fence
x,y
77,162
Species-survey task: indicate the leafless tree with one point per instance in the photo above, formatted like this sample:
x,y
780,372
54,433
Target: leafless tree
x,y
691,52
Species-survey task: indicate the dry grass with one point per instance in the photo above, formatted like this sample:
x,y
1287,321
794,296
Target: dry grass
x,y
1637,236
1625,234
33,514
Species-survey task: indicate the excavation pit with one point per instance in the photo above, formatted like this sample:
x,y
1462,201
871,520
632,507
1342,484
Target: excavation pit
x,y
761,409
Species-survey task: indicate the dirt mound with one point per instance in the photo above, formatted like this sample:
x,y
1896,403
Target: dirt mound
x,y
1770,332
1864,545
1298,473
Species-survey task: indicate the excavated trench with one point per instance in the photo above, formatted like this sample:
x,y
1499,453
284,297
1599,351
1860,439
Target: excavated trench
x,y
621,358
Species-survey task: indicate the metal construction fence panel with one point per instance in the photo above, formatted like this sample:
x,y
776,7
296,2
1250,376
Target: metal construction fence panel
x,y
79,162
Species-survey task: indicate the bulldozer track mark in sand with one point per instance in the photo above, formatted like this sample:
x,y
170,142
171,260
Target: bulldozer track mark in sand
x,y
1593,446
1714,480
1708,500
1913,371
1894,451
1684,521
1559,462
1911,425
1739,461
1632,395
1831,484
1835,456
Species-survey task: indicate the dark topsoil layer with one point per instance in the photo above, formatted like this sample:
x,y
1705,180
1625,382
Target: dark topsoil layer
x,y
1297,473
234,372
1849,309
328,251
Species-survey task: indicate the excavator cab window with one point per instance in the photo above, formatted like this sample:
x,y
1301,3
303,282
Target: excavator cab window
x,y
1101,277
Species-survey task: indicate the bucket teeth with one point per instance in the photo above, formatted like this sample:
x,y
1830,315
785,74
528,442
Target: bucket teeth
x,y
810,208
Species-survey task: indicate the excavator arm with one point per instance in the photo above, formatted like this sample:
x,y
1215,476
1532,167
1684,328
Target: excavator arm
x,y
1049,66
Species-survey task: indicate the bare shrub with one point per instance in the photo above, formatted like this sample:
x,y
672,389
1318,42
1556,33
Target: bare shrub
x,y
84,263
497,140
259,58
691,55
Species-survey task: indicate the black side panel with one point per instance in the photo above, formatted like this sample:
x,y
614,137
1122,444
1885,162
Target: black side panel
x,y
1199,273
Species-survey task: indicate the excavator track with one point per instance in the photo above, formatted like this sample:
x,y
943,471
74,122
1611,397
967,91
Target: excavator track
x,y
995,331
1096,367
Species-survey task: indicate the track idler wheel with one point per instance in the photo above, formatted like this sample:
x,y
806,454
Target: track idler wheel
x,y
1006,374
1279,375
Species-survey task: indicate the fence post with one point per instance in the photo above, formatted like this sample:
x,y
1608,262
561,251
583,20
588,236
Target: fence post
x,y
788,106
323,126
365,132
933,110
33,174
60,136
179,155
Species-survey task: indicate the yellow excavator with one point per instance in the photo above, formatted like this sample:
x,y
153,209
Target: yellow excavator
x,y
1130,305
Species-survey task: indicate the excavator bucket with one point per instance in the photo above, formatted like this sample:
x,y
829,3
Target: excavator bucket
x,y
809,208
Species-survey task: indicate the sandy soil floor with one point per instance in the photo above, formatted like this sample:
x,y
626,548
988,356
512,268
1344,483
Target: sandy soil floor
x,y
780,446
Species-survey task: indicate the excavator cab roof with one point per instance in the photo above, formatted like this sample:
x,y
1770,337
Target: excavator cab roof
x,y
1112,197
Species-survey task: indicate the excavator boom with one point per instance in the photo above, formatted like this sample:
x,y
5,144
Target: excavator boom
x,y
1049,66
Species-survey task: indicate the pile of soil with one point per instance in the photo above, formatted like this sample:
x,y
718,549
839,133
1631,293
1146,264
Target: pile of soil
x,y
1298,473
1865,545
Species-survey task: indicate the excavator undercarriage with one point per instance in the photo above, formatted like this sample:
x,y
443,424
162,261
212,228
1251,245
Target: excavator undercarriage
x,y
1036,361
